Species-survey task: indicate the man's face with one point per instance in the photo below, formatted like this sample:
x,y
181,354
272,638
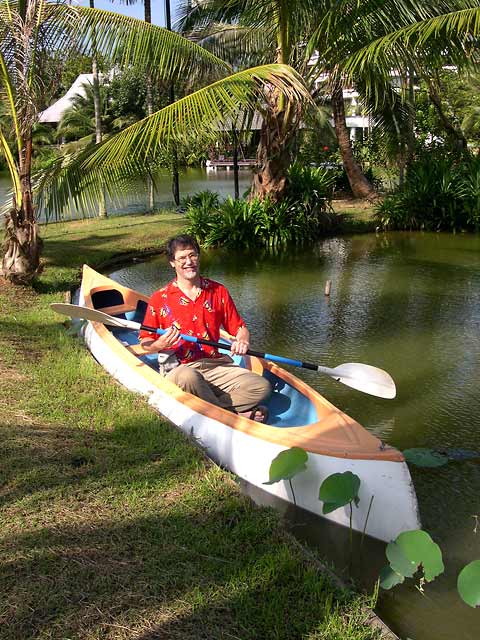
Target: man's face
x,y
186,263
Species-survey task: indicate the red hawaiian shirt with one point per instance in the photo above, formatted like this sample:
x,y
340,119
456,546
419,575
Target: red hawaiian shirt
x,y
202,318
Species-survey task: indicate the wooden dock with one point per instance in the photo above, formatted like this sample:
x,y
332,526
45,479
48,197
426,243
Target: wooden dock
x,y
227,163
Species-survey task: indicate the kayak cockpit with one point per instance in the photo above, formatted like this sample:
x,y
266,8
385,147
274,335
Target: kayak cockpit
x,y
287,406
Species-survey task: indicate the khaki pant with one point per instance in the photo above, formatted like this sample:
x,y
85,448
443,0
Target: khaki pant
x,y
221,382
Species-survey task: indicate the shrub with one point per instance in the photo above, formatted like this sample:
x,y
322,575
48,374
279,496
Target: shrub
x,y
440,193
304,215
202,213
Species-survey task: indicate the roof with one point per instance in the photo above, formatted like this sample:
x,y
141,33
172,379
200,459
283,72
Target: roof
x,y
55,111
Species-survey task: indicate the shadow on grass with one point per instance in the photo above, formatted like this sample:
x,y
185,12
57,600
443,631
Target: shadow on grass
x,y
111,535
92,248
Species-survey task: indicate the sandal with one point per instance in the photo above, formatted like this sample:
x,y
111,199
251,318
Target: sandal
x,y
259,413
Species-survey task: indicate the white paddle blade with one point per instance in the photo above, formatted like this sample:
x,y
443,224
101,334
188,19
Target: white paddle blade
x,y
76,311
364,377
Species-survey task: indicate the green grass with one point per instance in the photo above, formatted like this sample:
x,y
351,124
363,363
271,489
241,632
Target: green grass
x,y
356,216
113,525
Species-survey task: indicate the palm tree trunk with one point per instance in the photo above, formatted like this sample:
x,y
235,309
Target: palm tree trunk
x,y
22,244
454,132
149,101
274,152
171,93
235,163
102,206
273,157
361,187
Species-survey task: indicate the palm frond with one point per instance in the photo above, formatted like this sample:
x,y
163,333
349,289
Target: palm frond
x,y
204,114
455,30
130,41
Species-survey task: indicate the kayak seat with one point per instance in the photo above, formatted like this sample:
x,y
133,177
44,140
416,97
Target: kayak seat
x,y
287,406
139,313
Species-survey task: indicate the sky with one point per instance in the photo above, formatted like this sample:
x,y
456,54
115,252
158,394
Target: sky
x,y
136,10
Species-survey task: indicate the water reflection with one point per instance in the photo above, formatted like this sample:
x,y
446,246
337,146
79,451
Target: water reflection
x,y
408,303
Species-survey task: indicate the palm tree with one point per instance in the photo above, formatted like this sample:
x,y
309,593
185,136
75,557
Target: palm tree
x,y
334,32
147,16
28,28
415,38
246,30
102,205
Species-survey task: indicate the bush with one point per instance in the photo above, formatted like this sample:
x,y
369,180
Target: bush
x,y
440,193
304,215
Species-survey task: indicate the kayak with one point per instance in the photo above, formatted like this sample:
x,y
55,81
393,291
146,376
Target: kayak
x,y
298,416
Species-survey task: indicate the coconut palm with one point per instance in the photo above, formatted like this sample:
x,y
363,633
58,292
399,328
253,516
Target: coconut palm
x,y
333,32
371,38
30,27
260,30
147,16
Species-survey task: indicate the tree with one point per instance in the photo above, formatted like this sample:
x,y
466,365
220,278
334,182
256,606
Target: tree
x,y
415,39
30,27
247,30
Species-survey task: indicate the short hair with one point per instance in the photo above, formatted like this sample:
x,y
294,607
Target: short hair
x,y
181,242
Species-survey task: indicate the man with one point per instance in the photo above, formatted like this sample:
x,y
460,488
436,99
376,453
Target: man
x,y
197,306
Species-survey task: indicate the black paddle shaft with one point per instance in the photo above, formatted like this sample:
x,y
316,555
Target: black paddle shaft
x,y
250,352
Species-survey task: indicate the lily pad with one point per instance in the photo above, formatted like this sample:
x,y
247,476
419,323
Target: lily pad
x,y
413,549
468,584
287,464
338,490
390,578
423,457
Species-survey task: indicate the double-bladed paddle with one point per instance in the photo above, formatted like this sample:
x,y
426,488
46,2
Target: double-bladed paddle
x,y
362,377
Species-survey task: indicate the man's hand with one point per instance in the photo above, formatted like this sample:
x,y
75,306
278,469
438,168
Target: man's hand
x,y
168,340
241,343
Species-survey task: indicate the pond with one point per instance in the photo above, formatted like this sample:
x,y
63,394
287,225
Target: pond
x,y
410,304
191,180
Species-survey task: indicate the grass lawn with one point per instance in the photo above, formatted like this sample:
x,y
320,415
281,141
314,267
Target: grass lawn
x,y
356,215
112,524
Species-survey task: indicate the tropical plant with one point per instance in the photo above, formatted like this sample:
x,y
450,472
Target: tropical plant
x,y
468,584
30,27
410,552
361,42
440,192
246,31
304,215
147,14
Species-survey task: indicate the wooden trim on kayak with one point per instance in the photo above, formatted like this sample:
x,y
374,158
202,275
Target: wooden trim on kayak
x,y
334,434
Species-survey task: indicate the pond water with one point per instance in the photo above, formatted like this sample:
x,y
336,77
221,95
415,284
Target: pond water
x,y
410,304
191,180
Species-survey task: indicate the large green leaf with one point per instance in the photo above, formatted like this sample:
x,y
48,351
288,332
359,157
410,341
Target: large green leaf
x,y
390,578
468,584
287,465
423,457
338,490
413,549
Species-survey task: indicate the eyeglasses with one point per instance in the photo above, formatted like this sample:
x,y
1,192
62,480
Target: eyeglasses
x,y
192,257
